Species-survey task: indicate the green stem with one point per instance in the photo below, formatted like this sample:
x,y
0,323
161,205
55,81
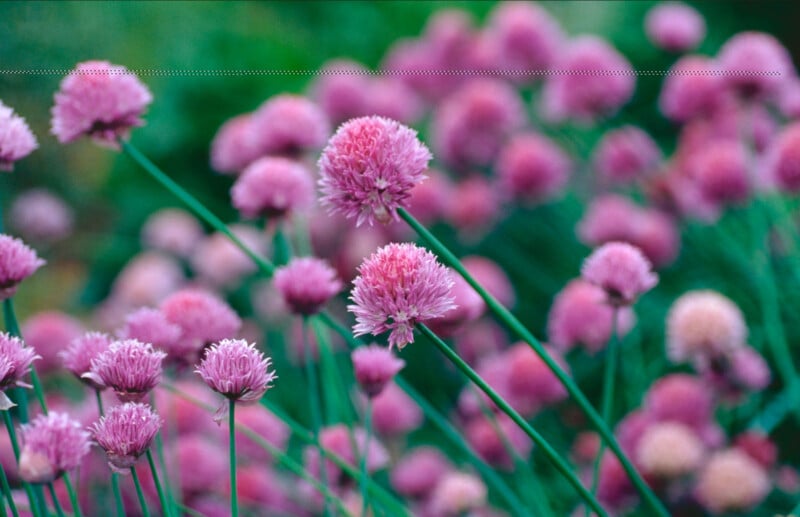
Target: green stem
x,y
232,450
54,497
316,411
165,507
37,490
139,493
505,316
118,505
364,454
73,497
7,493
12,434
501,404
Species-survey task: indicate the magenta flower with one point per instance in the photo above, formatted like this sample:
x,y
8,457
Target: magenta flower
x,y
17,262
151,326
369,167
374,366
237,370
399,286
99,100
756,64
720,170
41,216
342,90
532,168
783,160
725,470
626,154
418,472
48,332
235,145
172,230
16,139
675,26
692,88
272,187
394,413
51,445
290,124
527,37
129,367
125,433
80,353
621,270
306,284
15,363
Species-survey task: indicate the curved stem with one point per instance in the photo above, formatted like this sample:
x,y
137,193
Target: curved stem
x,y
503,406
54,497
161,495
364,454
505,316
232,444
139,493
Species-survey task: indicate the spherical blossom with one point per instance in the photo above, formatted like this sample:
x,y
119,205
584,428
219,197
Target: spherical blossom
x,y
492,439
469,307
374,366
755,64
80,353
418,472
399,286
593,80
532,168
474,206
237,370
150,326
266,426
630,429
125,433
220,263
289,125
458,493
732,481
625,154
758,446
394,412
129,367
526,36
580,316
201,463
749,370
692,88
235,145
429,201
17,262
681,398
621,270
48,333
491,277
349,445
16,139
51,445
342,90
675,26
15,363
173,230
789,99
704,324
147,279
471,125
720,171
783,160
392,98
369,168
100,100
41,216
530,379
669,450
306,284
613,485
272,187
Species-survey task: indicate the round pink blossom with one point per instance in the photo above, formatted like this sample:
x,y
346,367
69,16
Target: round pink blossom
x,y
530,378
783,160
491,277
626,154
789,99
349,445
374,366
80,353
235,145
758,446
369,167
430,200
732,481
289,125
41,216
469,307
199,477
151,326
692,88
48,333
125,433
342,90
458,493
17,262
675,26
755,64
266,425
493,439
220,263
147,279
390,97
418,472
173,230
532,168
100,100
399,286
237,370
593,80
272,187
15,363
16,139
669,450
129,367
720,171
52,444
749,370
621,270
527,37
394,412
474,206
306,284
681,398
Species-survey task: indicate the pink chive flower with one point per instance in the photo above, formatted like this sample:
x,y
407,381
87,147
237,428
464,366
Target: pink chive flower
x,y
348,444
266,425
492,277
418,472
429,200
41,216
474,206
147,279
732,481
16,139
530,381
783,160
458,493
594,80
236,370
99,100
669,450
392,98
342,90
681,398
626,154
369,167
272,187
51,445
17,262
621,270
675,26
758,446
47,333
220,263
692,88
80,353
235,146
125,433
306,284
172,230
374,366
491,440
755,63
471,124
469,307
399,286
721,172
290,124
15,363
150,326
394,413
532,168
129,367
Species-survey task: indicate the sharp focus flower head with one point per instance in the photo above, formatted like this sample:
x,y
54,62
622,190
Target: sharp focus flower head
x,y
80,353
237,370
306,284
15,363
621,270
125,433
51,445
129,367
16,139
17,262
374,366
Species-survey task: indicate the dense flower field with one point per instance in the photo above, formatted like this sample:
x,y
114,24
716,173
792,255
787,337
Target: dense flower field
x,y
470,282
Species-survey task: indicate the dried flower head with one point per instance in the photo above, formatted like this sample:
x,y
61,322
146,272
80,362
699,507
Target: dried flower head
x,y
374,366
16,139
125,433
237,370
129,367
272,187
17,262
80,353
306,284
52,444
399,286
621,270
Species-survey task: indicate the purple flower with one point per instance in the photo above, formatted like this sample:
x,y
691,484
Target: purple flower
x,y
399,286
306,284
237,370
17,262
151,326
532,168
527,37
100,100
675,26
290,124
129,367
15,363
756,64
691,88
80,353
125,433
272,187
621,270
16,139
51,445
41,216
374,366
234,147
369,167
626,154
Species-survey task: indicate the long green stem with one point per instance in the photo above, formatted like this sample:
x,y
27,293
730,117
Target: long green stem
x,y
364,454
139,493
505,316
165,507
54,497
118,505
8,494
12,434
316,411
232,451
503,406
